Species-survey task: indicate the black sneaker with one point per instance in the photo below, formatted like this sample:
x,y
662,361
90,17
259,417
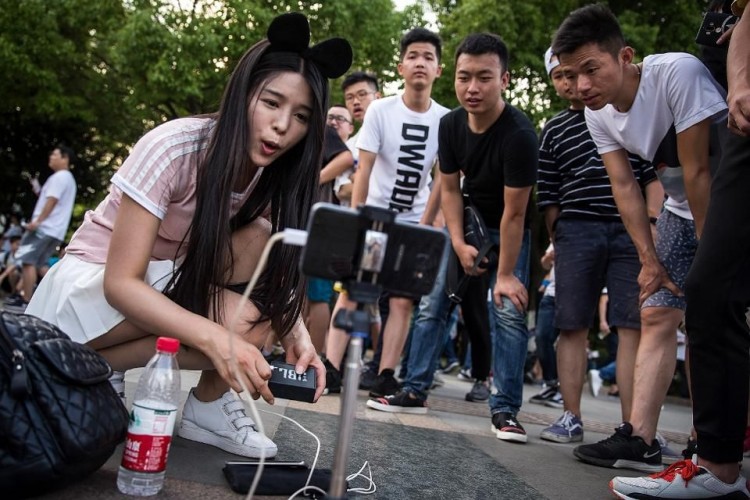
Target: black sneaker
x,y
691,449
622,450
368,377
333,379
547,393
15,304
479,392
401,402
506,427
385,385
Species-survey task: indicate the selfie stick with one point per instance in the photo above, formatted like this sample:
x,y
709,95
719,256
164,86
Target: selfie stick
x,y
362,290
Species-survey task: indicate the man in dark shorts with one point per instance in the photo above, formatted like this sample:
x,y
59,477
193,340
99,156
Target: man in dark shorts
x,y
592,250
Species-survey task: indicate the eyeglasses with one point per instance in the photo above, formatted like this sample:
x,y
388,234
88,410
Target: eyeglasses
x,y
337,119
361,95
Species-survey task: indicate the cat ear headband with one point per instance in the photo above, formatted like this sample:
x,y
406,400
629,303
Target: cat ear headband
x,y
291,33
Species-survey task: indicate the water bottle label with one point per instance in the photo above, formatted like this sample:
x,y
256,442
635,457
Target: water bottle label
x,y
149,437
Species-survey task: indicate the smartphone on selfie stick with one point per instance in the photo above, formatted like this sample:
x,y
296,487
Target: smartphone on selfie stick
x,y
369,252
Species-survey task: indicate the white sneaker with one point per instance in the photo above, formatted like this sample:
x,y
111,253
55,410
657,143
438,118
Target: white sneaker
x,y
595,382
437,380
224,424
682,480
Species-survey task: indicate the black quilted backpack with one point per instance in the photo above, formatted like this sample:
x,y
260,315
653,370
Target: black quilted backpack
x,y
60,418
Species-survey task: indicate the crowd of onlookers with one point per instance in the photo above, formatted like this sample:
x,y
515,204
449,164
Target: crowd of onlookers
x,y
644,241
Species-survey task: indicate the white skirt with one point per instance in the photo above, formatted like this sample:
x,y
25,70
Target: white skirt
x,y
71,296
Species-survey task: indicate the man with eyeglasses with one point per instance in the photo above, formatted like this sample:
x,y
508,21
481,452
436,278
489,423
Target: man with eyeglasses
x,y
360,89
341,120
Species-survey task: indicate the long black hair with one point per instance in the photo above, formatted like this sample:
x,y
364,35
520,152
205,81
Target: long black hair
x,y
289,185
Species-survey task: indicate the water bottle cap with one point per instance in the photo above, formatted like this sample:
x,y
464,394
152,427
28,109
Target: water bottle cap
x,y
167,344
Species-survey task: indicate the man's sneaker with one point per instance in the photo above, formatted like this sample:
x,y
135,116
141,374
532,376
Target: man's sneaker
x,y
690,449
448,368
556,401
668,455
684,479
15,304
437,380
595,382
622,450
465,374
544,395
224,424
368,377
401,402
567,429
333,379
385,385
506,427
479,392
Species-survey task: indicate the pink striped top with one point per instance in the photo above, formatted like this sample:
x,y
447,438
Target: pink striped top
x,y
159,175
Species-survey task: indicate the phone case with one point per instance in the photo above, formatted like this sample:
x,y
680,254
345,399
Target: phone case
x,y
335,243
714,24
275,480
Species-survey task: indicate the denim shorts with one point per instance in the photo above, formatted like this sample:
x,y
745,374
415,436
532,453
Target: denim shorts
x,y
590,255
36,248
676,243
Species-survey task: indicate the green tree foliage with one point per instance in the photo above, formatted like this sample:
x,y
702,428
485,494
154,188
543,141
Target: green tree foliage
x,y
55,88
528,27
96,74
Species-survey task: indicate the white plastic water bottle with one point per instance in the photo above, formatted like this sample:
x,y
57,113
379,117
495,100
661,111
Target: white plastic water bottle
x,y
152,418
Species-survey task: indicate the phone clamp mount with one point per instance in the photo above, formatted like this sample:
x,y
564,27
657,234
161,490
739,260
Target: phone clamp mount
x,y
362,289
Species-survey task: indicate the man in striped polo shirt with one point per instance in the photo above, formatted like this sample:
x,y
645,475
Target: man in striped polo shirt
x,y
592,250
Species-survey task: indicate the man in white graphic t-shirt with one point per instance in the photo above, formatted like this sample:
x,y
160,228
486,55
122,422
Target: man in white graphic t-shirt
x,y
397,152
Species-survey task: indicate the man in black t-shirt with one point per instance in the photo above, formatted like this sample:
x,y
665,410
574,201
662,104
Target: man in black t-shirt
x,y
495,146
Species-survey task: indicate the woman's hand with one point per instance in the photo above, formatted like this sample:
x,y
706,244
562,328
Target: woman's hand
x,y
301,353
230,350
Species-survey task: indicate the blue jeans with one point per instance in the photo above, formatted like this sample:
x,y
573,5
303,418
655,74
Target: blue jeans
x,y
448,349
428,334
609,372
510,338
546,334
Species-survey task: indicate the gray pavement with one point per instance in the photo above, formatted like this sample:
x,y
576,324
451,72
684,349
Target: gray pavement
x,y
449,453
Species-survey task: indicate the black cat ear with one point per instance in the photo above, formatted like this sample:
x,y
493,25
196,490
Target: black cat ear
x,y
291,33
332,56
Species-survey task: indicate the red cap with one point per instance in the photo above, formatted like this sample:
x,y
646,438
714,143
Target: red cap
x,y
167,344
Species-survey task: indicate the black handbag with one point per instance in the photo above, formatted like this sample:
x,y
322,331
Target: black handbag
x,y
714,25
60,418
476,235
